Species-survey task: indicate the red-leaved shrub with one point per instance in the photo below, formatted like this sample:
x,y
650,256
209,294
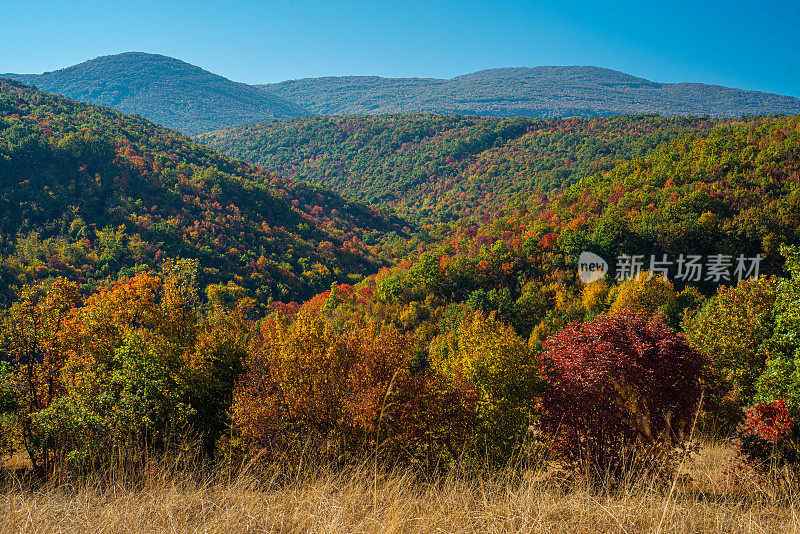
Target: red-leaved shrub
x,y
769,436
617,382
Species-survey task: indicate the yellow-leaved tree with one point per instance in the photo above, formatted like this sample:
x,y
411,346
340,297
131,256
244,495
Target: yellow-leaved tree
x,y
504,371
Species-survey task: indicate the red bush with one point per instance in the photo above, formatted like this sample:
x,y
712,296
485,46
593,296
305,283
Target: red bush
x,y
769,421
769,435
617,381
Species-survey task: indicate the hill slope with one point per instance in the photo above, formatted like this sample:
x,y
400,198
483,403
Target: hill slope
x,y
163,90
445,168
90,193
734,191
532,92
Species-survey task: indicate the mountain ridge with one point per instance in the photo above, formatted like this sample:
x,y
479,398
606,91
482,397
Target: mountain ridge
x,y
540,92
162,89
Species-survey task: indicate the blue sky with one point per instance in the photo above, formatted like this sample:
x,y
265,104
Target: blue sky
x,y
751,45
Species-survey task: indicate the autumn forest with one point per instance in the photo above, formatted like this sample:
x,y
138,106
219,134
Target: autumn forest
x,y
402,288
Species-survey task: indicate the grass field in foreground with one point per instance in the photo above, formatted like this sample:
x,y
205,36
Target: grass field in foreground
x,y
358,500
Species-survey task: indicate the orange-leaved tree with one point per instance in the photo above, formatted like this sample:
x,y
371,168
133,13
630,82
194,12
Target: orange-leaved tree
x,y
345,382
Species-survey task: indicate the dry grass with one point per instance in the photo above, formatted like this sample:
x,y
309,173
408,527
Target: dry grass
x,y
353,500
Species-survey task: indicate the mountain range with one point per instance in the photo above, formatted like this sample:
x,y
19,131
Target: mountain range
x,y
187,98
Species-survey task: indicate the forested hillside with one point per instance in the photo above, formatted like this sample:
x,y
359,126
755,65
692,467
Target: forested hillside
x,y
547,91
445,168
481,303
92,194
734,191
163,90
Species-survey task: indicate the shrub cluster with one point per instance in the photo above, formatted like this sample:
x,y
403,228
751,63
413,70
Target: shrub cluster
x,y
770,436
120,373
750,333
340,387
145,361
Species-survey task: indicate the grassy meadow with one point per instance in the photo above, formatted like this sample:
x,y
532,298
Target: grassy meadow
x,y
172,497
